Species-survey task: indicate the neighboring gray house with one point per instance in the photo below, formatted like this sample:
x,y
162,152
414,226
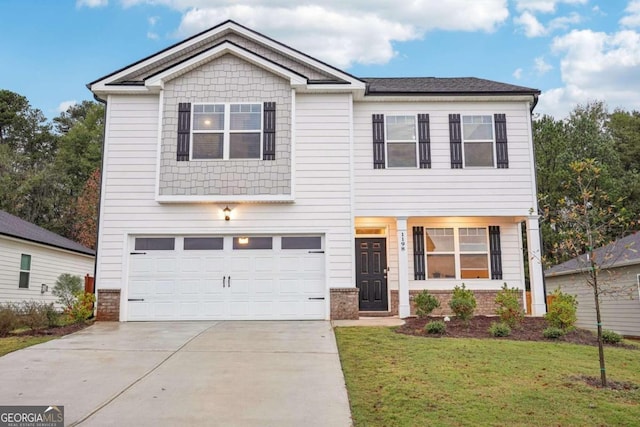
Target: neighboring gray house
x,y
620,313
31,257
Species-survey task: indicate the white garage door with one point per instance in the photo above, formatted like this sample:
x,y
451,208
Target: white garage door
x,y
235,278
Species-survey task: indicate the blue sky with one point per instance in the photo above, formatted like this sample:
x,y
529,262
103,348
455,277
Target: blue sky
x,y
575,51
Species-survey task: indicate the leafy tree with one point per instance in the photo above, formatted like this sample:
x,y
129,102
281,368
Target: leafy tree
x,y
67,288
584,223
85,225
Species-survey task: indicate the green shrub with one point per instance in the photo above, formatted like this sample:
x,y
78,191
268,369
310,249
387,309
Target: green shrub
x,y
562,311
8,318
425,303
463,303
33,314
66,288
500,329
82,308
552,333
611,337
53,315
435,327
509,307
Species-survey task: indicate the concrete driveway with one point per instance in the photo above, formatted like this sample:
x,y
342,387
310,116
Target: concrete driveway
x,y
185,373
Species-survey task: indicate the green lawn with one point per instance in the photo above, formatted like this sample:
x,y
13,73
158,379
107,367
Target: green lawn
x,y
399,380
9,344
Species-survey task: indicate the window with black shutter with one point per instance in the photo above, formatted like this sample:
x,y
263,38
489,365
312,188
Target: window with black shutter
x,y
495,252
455,141
226,131
378,141
502,155
424,141
418,253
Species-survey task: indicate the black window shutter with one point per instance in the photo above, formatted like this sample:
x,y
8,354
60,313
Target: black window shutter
x,y
455,138
418,253
378,141
184,130
502,155
269,131
495,252
424,141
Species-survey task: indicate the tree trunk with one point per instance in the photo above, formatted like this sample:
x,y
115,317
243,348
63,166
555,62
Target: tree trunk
x,y
596,296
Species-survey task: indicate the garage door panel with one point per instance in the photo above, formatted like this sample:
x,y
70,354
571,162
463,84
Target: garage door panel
x,y
197,284
289,286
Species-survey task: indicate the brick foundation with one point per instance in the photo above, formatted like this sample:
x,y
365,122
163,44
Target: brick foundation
x,y
344,303
485,302
108,305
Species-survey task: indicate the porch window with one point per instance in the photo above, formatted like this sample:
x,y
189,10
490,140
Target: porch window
x,y
441,262
457,253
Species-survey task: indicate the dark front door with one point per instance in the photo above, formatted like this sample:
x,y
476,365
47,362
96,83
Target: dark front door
x,y
371,273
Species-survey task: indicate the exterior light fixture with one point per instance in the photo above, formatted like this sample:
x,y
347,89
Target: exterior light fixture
x,y
227,213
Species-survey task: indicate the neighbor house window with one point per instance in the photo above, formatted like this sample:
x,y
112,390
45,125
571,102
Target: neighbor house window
x,y
226,131
478,141
401,141
457,253
25,271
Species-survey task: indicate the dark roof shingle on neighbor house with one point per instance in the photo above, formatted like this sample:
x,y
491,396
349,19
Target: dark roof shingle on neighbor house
x,y
13,226
442,86
624,251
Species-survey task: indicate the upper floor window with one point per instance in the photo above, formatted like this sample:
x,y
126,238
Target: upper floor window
x,y
477,137
226,131
401,141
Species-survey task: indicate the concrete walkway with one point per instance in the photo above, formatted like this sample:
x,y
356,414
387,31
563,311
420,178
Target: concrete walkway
x,y
185,373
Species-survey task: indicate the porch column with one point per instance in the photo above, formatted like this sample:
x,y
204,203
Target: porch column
x,y
536,278
404,309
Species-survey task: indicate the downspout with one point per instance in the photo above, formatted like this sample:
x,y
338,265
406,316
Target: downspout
x,y
535,176
104,138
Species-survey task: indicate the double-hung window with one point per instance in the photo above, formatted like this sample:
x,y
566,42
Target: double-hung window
x,y
401,141
457,253
478,141
226,131
25,271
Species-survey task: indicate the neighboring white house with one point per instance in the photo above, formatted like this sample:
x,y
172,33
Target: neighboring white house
x,y
620,303
32,258
244,179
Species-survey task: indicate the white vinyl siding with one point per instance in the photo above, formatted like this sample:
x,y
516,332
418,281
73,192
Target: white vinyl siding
x,y
440,190
620,314
46,265
321,184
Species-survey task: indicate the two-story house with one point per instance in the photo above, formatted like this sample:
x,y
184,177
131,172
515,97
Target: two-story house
x,y
243,179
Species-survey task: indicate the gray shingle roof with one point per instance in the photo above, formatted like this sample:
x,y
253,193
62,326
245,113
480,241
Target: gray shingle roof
x,y
442,86
621,252
15,227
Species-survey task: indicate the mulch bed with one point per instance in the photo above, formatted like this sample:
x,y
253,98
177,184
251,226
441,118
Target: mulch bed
x,y
57,331
478,327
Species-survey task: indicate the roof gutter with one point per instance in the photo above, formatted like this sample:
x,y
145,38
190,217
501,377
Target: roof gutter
x,y
535,102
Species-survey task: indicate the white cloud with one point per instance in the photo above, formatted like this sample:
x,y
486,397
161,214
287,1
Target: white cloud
x,y
564,22
532,27
153,36
544,6
517,74
64,105
541,66
153,20
340,32
595,65
632,20
91,3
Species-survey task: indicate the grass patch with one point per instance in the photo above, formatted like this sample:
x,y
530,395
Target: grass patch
x,y
400,380
9,344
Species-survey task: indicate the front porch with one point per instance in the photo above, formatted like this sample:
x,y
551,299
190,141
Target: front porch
x,y
397,257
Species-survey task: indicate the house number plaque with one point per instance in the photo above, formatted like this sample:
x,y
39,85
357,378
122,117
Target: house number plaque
x,y
403,243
